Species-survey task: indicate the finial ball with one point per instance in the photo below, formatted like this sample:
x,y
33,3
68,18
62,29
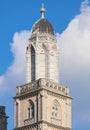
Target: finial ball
x,y
42,10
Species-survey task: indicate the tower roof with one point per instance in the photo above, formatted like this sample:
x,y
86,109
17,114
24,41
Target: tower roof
x,y
43,25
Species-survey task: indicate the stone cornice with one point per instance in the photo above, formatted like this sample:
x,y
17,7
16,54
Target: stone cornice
x,y
27,127
4,116
40,122
55,126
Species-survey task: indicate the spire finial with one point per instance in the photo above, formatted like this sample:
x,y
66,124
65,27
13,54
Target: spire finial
x,y
42,10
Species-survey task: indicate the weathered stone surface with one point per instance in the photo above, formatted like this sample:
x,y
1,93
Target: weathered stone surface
x,y
46,60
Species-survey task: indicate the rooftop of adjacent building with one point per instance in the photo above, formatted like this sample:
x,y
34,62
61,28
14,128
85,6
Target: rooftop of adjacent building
x,y
2,110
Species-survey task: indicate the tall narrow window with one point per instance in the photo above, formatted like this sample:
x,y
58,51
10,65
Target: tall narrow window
x,y
16,114
46,60
31,110
56,113
32,63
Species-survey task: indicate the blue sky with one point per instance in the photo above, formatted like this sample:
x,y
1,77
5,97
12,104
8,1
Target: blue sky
x,y
71,21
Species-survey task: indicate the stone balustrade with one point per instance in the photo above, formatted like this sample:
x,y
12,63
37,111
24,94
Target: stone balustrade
x,y
45,84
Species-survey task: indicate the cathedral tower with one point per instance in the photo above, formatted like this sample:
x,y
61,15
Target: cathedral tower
x,y
42,103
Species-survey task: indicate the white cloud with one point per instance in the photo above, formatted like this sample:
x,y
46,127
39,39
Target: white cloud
x,y
84,7
74,45
16,72
75,41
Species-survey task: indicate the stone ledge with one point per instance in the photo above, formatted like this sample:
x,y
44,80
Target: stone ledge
x,y
35,126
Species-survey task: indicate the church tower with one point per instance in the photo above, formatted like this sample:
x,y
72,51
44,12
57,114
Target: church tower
x,y
42,103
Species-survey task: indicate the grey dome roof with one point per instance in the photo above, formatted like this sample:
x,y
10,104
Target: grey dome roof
x,y
43,26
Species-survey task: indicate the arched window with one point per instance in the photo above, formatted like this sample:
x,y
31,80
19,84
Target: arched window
x,y
56,113
55,110
16,114
31,110
32,63
46,60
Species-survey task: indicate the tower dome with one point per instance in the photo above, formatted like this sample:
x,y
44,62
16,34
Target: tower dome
x,y
43,25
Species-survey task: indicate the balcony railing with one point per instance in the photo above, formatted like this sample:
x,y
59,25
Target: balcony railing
x,y
42,83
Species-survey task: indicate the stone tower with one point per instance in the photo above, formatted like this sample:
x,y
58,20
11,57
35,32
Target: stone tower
x,y
3,118
42,103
